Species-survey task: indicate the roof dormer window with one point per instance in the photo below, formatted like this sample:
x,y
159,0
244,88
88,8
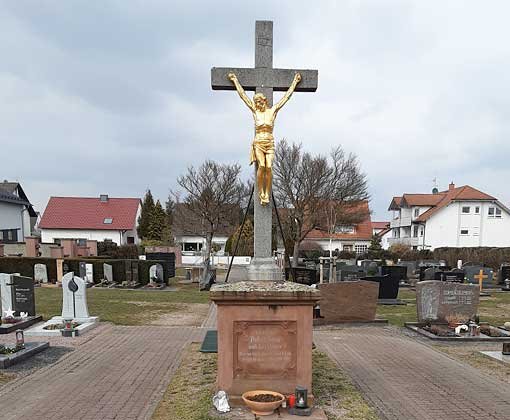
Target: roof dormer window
x,y
108,220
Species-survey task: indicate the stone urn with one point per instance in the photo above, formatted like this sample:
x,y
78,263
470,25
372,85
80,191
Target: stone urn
x,y
261,408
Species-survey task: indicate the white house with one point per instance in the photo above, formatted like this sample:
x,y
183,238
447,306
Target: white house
x,y
101,218
458,217
383,230
17,216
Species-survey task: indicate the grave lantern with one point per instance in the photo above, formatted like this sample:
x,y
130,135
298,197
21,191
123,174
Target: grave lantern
x,y
20,339
301,394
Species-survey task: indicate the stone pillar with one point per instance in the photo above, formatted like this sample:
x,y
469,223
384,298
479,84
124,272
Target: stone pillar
x,y
31,246
1,250
92,246
69,246
274,316
60,269
56,251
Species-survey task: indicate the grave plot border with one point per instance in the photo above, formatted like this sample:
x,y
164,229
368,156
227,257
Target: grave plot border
x,y
9,328
29,350
416,327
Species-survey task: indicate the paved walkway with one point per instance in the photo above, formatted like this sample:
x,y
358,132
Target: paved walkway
x,y
121,373
210,319
407,380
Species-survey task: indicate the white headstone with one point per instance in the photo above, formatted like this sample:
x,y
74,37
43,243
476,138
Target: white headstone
x,y
156,273
40,273
108,273
89,270
74,304
5,292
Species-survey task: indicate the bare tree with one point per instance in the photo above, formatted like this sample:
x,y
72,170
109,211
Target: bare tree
x,y
317,191
212,195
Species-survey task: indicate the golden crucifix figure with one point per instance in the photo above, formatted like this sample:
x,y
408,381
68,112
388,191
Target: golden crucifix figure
x,y
262,150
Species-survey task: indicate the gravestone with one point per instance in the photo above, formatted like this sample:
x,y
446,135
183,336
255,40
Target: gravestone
x,y
472,273
436,300
156,273
89,273
5,293
411,267
350,273
23,295
388,287
40,273
504,273
348,301
108,273
168,257
455,276
396,272
74,298
83,269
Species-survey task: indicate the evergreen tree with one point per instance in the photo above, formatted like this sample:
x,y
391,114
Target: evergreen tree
x,y
157,223
245,246
145,215
375,243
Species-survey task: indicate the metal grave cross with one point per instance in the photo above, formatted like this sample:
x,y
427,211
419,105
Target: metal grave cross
x,y
263,78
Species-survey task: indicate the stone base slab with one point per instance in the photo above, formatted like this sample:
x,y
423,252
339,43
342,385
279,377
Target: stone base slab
x,y
498,356
319,322
31,320
481,338
242,413
39,331
30,349
264,269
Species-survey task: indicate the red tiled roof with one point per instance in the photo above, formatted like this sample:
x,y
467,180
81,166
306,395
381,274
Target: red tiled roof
x,y
461,193
422,199
380,225
362,231
90,213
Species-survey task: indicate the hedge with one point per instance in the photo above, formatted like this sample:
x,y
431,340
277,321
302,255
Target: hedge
x,y
25,266
491,257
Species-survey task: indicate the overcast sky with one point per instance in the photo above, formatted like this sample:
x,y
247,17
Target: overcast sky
x,y
114,97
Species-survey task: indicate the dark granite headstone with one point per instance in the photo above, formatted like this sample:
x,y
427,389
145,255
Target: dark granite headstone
x,y
504,273
23,295
350,273
436,300
454,276
388,287
398,272
473,272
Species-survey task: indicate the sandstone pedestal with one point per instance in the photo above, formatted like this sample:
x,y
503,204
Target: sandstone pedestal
x,y
264,336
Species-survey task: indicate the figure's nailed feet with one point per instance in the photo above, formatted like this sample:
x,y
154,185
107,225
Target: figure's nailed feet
x,y
264,200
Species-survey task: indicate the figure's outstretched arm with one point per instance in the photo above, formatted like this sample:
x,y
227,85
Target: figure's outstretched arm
x,y
288,94
233,78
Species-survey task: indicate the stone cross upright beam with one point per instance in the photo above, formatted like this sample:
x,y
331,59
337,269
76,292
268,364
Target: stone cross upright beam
x,y
263,78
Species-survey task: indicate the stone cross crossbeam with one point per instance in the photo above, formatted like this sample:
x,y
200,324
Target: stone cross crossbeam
x,y
263,78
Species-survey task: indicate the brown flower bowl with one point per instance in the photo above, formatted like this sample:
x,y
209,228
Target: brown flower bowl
x,y
262,408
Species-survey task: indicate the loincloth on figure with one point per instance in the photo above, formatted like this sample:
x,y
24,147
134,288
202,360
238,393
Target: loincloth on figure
x,y
261,146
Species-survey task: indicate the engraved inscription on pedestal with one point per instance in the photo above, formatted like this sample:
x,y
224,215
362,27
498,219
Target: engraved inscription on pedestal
x,y
265,349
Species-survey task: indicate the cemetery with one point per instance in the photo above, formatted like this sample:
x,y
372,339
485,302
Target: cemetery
x,y
315,318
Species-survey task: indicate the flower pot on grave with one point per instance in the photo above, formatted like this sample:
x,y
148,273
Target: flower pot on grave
x,y
255,401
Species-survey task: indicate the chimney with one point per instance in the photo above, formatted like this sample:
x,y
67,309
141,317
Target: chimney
x,y
103,198
451,187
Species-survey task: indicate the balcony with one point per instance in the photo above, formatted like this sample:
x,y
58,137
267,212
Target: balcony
x,y
401,221
404,241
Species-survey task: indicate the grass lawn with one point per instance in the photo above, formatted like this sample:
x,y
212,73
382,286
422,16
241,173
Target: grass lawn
x,y
494,309
123,307
188,397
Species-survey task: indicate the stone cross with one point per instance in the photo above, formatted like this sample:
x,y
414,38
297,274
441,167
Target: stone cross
x,y
481,277
263,78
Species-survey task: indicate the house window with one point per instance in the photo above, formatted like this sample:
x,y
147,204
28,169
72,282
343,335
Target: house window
x,y
464,232
415,231
360,249
422,230
130,240
466,209
108,221
495,212
81,242
9,235
347,248
477,210
416,212
344,229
